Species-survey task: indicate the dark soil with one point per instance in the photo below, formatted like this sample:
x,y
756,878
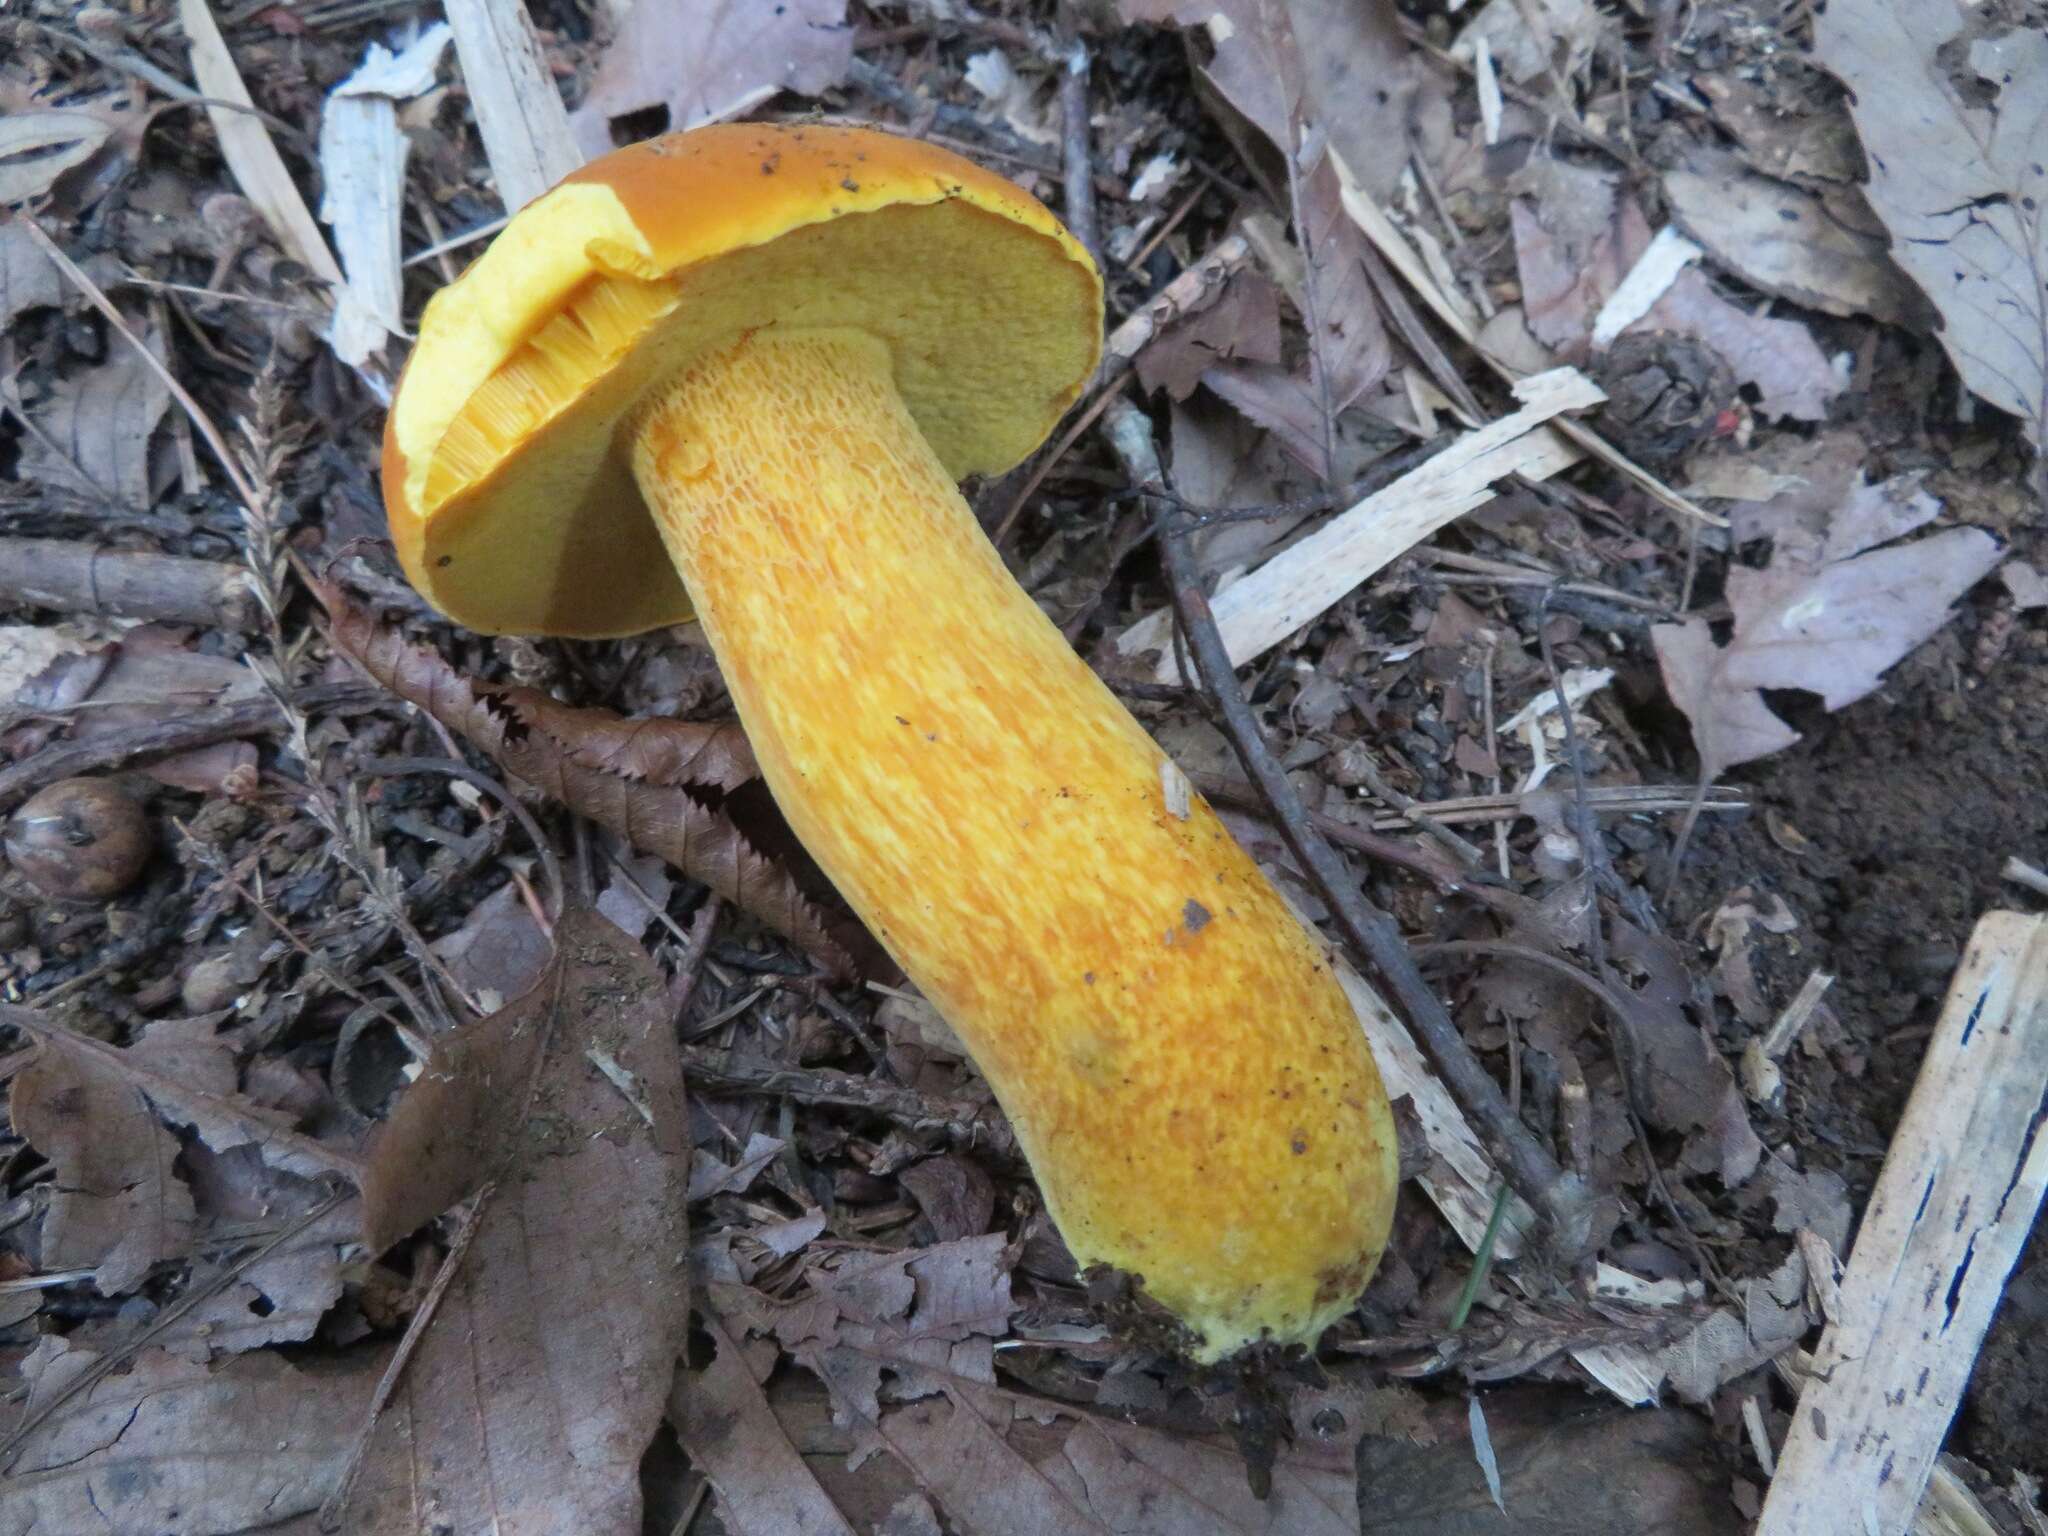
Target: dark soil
x,y
1885,832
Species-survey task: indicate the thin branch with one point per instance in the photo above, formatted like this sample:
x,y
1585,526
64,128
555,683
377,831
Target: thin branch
x,y
1562,1199
415,1331
192,408
1077,160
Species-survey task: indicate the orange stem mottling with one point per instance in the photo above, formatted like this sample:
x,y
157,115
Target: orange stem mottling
x,y
1181,1067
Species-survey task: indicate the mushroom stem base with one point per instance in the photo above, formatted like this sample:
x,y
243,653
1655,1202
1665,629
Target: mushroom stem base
x,y
1180,1065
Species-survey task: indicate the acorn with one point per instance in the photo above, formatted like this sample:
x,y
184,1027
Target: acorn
x,y
79,840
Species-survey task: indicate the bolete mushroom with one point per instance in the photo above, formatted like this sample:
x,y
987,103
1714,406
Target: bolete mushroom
x,y
736,373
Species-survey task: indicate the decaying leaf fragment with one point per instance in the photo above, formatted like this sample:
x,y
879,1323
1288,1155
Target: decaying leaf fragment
x,y
1827,618
117,1206
98,1112
653,782
94,430
1962,187
706,63
167,1445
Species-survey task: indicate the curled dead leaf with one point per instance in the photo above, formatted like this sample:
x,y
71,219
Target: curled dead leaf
x,y
656,783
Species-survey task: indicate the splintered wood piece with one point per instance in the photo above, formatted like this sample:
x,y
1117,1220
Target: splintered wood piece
x,y
1953,1205
1305,580
518,106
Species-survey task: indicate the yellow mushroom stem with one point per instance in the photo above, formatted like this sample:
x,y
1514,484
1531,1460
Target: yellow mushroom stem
x,y
1181,1067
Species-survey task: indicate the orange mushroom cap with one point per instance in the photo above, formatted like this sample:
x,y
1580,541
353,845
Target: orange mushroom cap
x,y
506,465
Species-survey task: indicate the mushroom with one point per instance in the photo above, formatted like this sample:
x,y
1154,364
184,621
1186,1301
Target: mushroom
x,y
736,374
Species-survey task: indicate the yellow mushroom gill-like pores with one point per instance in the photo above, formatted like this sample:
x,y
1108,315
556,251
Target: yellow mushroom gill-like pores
x,y
1183,1071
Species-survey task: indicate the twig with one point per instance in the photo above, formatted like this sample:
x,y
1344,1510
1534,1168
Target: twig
x,y
518,107
1077,159
1417,814
866,75
1388,850
1622,1036
690,968
1785,1029
549,863
205,854
2020,872
1373,222
415,1331
456,242
1563,1200
1383,473
1961,1185
1312,575
1318,340
180,733
1194,289
164,1320
112,316
722,1072
1606,799
74,577
1135,262
1591,849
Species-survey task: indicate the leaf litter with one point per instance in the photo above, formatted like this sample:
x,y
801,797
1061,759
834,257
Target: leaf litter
x,y
1827,616
540,1380
1960,182
864,1226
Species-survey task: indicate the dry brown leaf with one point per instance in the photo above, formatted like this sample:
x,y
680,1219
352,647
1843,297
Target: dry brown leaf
x,y
1727,1343
168,1445
919,1328
1359,84
1806,147
642,779
707,60
1816,1199
183,1080
541,1380
1687,1084
1574,246
709,1176
956,1196
281,1297
38,147
1784,241
1284,403
1959,176
724,1422
1530,38
1563,1468
117,1206
1243,326
28,278
94,430
1257,68
500,948
1828,620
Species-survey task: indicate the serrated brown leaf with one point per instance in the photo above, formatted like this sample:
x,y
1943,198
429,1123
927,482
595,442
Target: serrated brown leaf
x,y
633,775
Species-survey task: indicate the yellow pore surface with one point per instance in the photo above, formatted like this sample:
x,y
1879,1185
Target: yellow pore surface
x,y
1183,1071
505,469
